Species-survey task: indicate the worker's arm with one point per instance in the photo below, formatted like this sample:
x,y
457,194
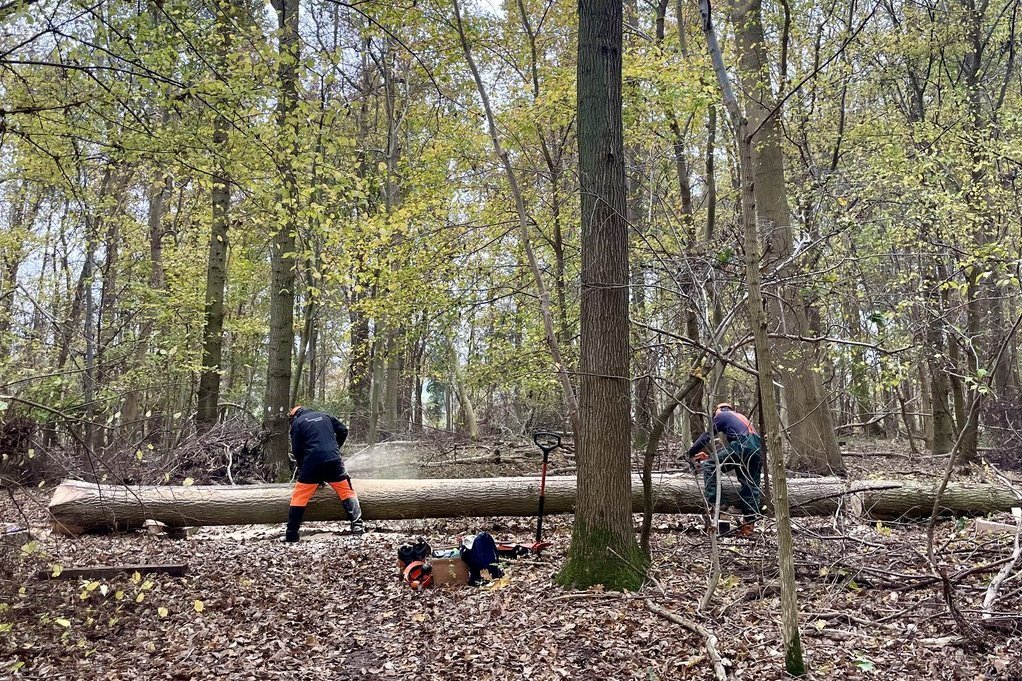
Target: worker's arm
x,y
340,431
297,447
699,445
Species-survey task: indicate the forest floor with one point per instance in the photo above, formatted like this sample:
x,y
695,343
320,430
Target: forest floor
x,y
331,607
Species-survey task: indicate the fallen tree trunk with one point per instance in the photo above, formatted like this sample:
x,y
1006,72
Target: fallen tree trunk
x,y
78,507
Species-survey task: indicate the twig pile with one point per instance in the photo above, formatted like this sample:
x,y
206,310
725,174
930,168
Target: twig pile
x,y
229,453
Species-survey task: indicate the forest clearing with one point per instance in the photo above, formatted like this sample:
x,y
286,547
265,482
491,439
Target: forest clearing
x,y
510,339
868,604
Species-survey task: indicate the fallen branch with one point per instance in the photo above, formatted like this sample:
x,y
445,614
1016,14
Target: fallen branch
x,y
708,636
172,569
995,584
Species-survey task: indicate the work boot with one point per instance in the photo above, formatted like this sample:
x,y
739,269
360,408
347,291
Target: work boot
x,y
294,521
354,515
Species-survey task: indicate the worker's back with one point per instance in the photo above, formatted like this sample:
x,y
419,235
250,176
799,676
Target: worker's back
x,y
317,437
732,424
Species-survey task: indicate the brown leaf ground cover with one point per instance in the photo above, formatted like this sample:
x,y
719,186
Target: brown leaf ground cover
x,y
332,608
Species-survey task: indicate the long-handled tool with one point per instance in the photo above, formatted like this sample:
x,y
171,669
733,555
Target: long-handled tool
x,y
547,442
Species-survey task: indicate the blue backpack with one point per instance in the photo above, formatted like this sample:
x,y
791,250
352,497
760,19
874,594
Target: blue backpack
x,y
480,553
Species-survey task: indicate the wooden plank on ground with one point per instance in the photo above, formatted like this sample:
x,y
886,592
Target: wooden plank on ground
x,y
172,569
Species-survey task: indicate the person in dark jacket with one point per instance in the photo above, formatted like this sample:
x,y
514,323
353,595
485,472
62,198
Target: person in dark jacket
x,y
742,453
316,440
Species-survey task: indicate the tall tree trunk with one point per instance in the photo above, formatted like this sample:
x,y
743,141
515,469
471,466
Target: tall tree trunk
x,y
107,324
304,342
24,210
88,276
942,432
157,210
282,272
216,265
359,372
463,397
417,411
603,547
811,434
793,660
392,383
307,338
376,406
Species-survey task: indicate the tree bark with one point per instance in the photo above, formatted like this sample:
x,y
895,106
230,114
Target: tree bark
x,y
603,547
359,372
282,271
216,267
811,434
78,507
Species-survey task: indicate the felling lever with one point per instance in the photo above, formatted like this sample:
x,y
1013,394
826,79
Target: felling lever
x,y
547,442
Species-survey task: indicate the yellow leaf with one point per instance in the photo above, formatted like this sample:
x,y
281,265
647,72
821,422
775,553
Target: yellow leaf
x,y
188,482
163,612
63,622
147,584
498,584
57,569
140,597
119,595
92,586
820,624
199,607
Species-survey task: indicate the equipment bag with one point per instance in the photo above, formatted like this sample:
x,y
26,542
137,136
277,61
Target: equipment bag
x,y
480,553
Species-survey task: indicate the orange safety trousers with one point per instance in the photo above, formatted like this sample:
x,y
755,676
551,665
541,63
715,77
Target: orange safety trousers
x,y
304,490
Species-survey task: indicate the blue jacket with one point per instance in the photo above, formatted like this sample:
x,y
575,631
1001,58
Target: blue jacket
x,y
316,437
732,424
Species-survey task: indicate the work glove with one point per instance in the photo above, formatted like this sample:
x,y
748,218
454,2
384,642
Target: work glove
x,y
696,459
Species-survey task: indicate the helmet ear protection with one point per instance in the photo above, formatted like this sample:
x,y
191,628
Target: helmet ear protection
x,y
419,574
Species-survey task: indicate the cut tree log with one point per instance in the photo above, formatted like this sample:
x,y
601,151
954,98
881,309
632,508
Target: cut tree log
x,y
78,507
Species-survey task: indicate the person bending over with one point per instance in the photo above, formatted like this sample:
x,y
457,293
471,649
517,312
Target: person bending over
x,y
316,440
742,453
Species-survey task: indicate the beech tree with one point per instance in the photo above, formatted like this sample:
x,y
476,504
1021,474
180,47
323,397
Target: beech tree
x,y
603,547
